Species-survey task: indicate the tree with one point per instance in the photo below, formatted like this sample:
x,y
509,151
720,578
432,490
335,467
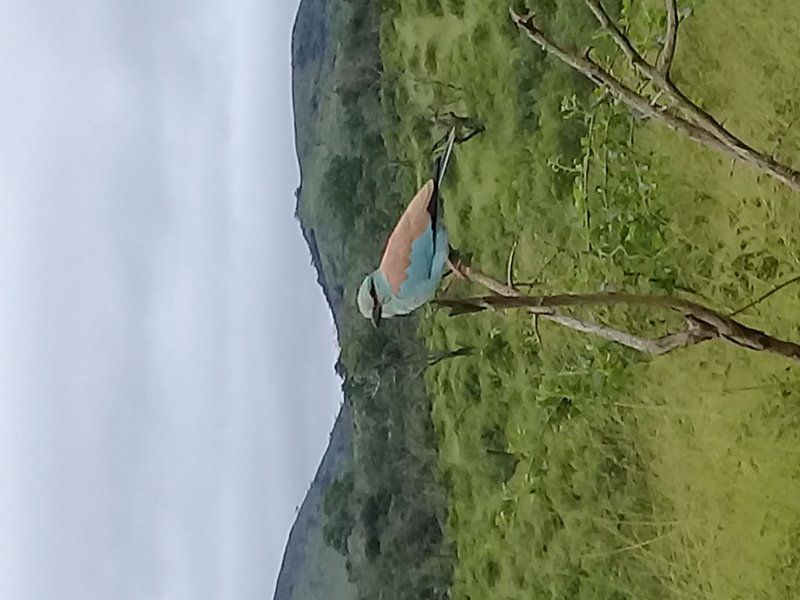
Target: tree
x,y
337,506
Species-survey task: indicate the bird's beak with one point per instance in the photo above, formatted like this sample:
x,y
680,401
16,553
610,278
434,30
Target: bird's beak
x,y
376,315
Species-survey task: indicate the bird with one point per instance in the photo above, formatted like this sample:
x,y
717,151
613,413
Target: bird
x,y
415,256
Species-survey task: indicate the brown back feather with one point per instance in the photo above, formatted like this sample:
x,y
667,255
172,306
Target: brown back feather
x,y
413,223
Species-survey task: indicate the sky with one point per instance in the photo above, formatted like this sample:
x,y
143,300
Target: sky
x,y
166,355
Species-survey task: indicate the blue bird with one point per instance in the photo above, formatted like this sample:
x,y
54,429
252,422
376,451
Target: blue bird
x,y
415,256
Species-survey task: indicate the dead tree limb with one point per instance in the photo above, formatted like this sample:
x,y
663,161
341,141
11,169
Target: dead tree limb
x,y
663,82
586,66
701,317
683,116
692,334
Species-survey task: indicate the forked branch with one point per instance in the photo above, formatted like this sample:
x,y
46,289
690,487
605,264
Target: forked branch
x,y
692,334
682,115
701,317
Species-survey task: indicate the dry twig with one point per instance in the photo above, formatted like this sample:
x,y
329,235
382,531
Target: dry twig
x,y
510,266
770,293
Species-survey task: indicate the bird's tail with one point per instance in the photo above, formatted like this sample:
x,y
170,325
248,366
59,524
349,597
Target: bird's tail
x,y
444,159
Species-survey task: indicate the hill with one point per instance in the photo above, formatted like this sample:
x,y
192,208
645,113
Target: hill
x,y
363,520
311,569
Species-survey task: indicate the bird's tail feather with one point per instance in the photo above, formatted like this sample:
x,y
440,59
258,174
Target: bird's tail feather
x,y
444,159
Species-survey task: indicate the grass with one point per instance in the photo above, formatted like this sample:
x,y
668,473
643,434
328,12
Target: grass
x,y
575,468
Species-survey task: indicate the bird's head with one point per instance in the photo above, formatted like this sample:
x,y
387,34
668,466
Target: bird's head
x,y
369,301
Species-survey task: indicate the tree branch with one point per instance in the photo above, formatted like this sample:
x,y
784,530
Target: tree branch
x,y
667,55
700,316
510,266
696,115
663,345
619,38
698,125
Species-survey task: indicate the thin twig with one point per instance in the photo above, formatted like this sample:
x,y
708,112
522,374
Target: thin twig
x,y
752,388
773,291
510,267
537,334
587,159
667,55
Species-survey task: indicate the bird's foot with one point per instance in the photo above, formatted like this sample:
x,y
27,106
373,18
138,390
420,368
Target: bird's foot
x,y
457,268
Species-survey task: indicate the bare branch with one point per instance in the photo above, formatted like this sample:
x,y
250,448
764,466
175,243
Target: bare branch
x,y
536,331
692,335
661,80
656,347
700,316
699,126
619,38
667,55
436,358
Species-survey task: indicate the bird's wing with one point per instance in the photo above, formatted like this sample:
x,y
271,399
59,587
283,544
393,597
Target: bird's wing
x,y
414,226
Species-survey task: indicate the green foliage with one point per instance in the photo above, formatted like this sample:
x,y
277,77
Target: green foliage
x,y
575,468
386,515
338,509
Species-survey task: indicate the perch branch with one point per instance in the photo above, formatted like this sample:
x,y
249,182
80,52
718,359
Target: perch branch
x,y
698,125
701,317
688,337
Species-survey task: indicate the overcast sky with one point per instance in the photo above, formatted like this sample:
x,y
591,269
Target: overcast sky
x,y
166,356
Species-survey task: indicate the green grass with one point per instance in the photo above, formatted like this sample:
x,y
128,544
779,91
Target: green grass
x,y
575,468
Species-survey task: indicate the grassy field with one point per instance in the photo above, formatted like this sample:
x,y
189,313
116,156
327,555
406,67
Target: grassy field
x,y
575,468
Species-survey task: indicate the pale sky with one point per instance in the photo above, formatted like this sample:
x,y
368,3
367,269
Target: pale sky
x,y
166,356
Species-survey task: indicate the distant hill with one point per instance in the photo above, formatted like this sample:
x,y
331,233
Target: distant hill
x,y
374,538
311,570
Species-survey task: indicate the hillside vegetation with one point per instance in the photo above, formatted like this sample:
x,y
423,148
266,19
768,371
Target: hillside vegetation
x,y
386,514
